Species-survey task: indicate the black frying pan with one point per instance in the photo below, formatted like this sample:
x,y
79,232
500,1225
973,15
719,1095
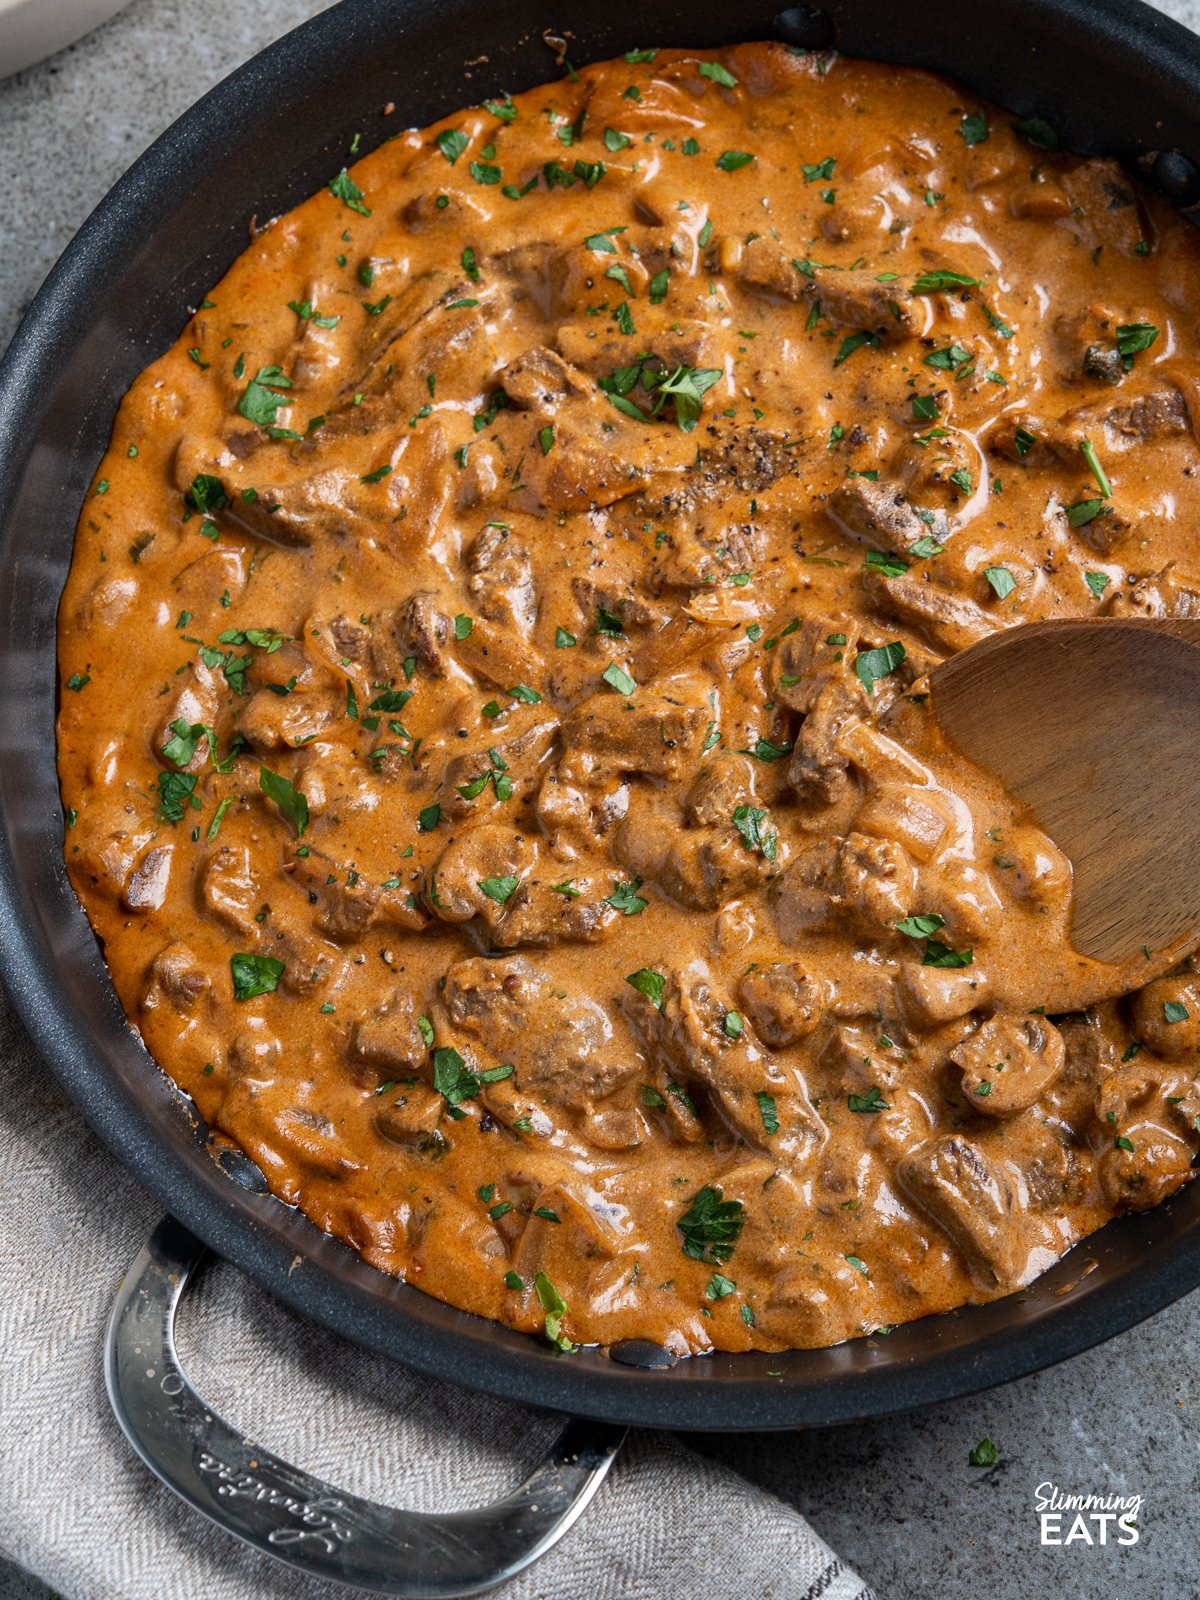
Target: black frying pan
x,y
1112,76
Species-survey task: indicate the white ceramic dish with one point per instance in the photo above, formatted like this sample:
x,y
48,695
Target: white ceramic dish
x,y
33,29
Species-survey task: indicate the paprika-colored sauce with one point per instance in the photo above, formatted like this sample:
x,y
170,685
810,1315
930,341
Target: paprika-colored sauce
x,y
494,721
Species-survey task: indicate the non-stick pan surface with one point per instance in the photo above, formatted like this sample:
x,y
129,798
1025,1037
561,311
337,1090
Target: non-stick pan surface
x,y
1112,75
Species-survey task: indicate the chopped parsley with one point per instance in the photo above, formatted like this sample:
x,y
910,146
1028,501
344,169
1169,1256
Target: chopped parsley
x,y
452,142
872,665
871,1101
288,798
344,188
648,983
254,975
711,1226
757,831
626,899
555,1307
499,889
767,1111
617,678
716,73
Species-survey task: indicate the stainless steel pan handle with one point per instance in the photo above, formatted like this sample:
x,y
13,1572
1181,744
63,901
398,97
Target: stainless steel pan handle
x,y
287,1513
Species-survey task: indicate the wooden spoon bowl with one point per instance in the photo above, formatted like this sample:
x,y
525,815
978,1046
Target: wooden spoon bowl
x,y
1095,727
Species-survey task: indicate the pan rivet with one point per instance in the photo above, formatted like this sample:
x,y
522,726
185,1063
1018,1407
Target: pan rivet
x,y
805,25
643,1353
1176,176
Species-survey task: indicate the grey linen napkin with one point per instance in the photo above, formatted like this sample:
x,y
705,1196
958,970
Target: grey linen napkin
x,y
81,1511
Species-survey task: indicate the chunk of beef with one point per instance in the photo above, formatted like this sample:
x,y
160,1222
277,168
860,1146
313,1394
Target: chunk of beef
x,y
421,630
877,513
540,380
593,459
1009,1063
598,349
878,882
1147,418
1090,1056
515,758
387,1037
146,887
950,621
1142,419
722,784
410,1119
1168,593
953,1181
782,1002
337,641
410,310
697,557
737,462
350,905
1050,1171
1104,204
197,701
563,1045
229,888
693,1040
802,898
855,1060
819,652
618,599
763,264
501,579
177,979
748,461
286,721
819,766
489,854
308,962
651,734
866,883
700,867
120,830
541,915
855,298
580,805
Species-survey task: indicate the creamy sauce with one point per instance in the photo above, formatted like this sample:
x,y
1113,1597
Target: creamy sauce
x,y
521,577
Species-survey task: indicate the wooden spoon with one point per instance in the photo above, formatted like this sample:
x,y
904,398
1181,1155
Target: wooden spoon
x,y
1095,726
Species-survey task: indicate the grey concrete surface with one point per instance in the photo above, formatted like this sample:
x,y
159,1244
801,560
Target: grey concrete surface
x,y
896,1498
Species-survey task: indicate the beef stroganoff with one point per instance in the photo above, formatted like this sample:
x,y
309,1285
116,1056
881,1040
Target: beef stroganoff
x,y
495,732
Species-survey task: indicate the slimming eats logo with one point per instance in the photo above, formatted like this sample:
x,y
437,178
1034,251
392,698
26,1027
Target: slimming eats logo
x,y
1086,1518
